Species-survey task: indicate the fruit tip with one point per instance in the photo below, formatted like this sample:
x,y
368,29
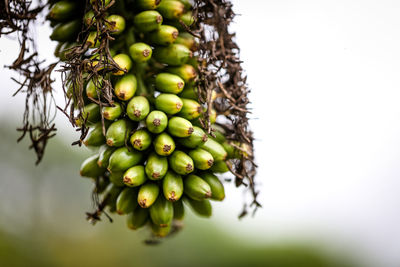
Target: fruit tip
x,y
208,194
110,142
142,203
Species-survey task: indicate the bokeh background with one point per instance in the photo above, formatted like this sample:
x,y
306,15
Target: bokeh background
x,y
326,117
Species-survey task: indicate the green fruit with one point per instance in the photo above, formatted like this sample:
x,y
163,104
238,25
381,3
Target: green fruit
x,y
94,86
202,208
104,156
101,2
134,176
156,121
169,103
172,186
137,218
89,18
161,231
147,4
126,87
89,167
122,159
174,54
187,19
126,201
179,210
180,127
117,178
118,132
165,35
195,139
219,133
148,21
66,32
65,50
141,139
110,196
156,166
140,52
101,184
138,108
181,163
162,212
148,194
90,114
202,159
93,40
63,10
186,3
116,24
217,151
189,92
196,188
219,167
58,49
171,9
186,39
95,136
112,113
191,109
186,72
164,144
169,83
124,62
217,188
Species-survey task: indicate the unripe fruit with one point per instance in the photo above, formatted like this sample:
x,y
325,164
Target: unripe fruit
x,y
89,167
104,156
165,35
137,218
181,163
140,52
169,103
202,208
116,178
180,127
164,144
93,40
94,86
161,212
116,24
156,166
189,92
95,136
112,113
172,186
124,63
220,167
141,139
118,132
156,121
62,10
110,196
89,18
174,54
187,18
147,4
148,21
187,40
66,32
169,83
134,176
90,113
196,188
122,159
202,159
186,72
148,194
126,87
126,201
161,231
217,188
138,108
171,9
195,139
179,210
191,109
216,150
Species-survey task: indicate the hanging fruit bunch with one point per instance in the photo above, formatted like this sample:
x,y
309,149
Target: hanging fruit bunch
x,y
156,89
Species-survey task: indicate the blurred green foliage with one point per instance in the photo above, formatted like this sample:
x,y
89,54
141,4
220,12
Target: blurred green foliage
x,y
42,223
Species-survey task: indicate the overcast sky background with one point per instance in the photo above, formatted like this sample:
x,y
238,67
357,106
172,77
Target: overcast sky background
x,y
325,92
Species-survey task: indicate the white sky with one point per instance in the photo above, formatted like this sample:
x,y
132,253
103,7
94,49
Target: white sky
x,y
325,80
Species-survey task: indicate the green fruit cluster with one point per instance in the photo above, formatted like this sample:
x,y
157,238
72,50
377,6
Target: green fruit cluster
x,y
154,158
